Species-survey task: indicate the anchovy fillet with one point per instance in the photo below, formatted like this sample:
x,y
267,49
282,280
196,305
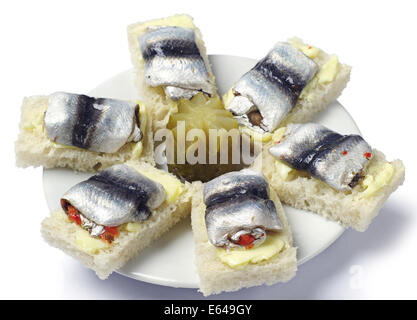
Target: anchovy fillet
x,y
115,196
173,60
271,89
235,184
339,160
225,219
95,124
238,204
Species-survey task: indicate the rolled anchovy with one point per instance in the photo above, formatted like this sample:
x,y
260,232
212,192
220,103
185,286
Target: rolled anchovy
x,y
95,124
250,215
338,160
235,184
264,95
115,196
173,60
238,207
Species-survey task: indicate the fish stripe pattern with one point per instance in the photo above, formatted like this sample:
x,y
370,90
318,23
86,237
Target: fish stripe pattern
x,y
115,196
327,155
173,61
238,204
94,124
87,115
272,87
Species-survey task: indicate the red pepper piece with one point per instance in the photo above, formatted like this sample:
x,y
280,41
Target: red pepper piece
x,y
367,155
112,230
73,215
109,234
246,240
344,153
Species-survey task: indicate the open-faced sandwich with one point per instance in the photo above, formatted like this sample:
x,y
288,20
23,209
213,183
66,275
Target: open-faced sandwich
x,y
171,64
174,77
337,176
291,84
106,220
82,133
241,234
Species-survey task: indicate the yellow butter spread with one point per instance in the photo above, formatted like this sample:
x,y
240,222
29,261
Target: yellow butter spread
x,y
273,245
172,186
309,51
283,169
376,178
329,70
256,136
35,123
85,242
227,97
132,226
278,134
173,189
264,137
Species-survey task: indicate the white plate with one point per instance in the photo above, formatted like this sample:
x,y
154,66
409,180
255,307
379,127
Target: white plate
x,y
170,260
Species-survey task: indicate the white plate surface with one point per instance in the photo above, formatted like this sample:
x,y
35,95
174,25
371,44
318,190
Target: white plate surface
x,y
170,260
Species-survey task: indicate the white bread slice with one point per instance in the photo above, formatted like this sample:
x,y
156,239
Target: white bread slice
x,y
59,232
161,108
320,95
216,276
311,194
34,148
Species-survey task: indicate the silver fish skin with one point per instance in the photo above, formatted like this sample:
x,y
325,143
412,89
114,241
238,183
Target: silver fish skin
x,y
115,196
235,184
95,229
175,93
173,59
95,124
338,160
272,87
249,214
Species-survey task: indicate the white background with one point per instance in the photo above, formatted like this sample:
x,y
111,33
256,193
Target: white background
x,y
46,46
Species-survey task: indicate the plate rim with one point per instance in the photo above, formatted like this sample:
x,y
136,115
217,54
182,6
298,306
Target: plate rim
x,y
181,284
